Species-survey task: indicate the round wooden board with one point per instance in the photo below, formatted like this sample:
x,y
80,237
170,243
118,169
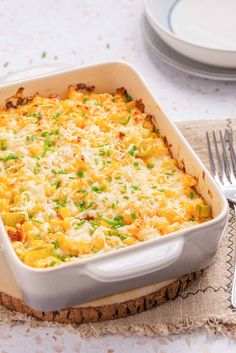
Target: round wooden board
x,y
141,300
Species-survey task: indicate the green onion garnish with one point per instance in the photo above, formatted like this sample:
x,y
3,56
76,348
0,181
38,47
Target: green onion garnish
x,y
125,121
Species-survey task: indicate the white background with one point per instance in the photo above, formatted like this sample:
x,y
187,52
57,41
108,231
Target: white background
x,y
85,32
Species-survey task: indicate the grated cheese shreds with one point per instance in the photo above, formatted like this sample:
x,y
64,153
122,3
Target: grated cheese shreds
x,y
86,174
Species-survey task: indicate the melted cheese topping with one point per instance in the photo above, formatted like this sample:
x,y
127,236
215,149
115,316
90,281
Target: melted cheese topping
x,y
87,174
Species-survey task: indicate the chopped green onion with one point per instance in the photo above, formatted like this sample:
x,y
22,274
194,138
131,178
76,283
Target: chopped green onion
x,y
56,183
53,263
44,152
50,133
3,145
36,172
80,173
9,157
56,116
99,190
60,256
104,153
116,222
125,121
132,150
60,203
59,171
37,157
80,223
84,192
99,146
134,187
81,204
30,138
127,97
113,232
48,143
55,244
95,224
35,220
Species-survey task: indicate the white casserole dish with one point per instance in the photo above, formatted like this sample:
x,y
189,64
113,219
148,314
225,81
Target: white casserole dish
x,y
156,260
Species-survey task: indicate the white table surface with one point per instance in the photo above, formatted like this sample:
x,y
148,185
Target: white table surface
x,y
84,32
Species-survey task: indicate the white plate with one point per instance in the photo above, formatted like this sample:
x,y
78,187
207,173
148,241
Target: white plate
x,y
159,48
203,30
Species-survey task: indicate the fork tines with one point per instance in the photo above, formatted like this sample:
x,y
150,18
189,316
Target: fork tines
x,y
224,172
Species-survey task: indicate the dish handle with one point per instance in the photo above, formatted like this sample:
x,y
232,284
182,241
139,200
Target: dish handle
x,y
36,71
128,265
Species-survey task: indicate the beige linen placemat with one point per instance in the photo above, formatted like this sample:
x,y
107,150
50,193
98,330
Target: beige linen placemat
x,y
205,303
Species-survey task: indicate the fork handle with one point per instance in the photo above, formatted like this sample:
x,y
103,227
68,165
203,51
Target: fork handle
x,y
233,294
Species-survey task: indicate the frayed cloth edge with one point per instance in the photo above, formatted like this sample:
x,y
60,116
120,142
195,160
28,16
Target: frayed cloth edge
x,y
224,326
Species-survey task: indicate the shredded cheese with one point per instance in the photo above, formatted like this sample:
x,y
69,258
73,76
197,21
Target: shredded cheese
x,y
86,174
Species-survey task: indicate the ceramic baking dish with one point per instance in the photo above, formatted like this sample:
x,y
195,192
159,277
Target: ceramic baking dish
x,y
156,260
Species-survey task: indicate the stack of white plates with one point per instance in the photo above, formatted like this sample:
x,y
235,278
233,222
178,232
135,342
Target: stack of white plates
x,y
196,36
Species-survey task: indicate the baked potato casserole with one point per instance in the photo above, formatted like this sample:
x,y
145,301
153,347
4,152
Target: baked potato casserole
x,y
86,174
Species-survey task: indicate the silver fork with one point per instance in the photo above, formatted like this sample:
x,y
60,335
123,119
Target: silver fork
x,y
224,175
